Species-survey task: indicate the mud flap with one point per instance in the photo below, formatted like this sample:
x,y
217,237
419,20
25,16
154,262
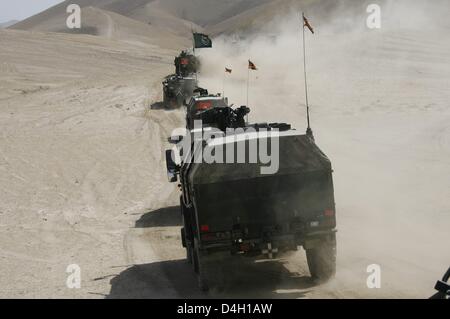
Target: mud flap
x,y
315,239
183,237
312,243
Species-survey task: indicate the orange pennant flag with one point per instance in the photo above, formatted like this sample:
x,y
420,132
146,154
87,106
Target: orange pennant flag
x,y
306,24
252,65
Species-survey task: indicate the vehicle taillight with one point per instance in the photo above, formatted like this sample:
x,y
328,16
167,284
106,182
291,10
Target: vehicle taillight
x,y
201,106
245,247
204,228
329,212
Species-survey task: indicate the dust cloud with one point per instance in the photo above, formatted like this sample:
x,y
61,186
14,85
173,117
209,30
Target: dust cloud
x,y
379,102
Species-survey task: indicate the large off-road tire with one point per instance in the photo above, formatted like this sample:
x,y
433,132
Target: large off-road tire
x,y
322,259
183,237
165,99
200,268
186,234
189,253
169,102
187,245
210,269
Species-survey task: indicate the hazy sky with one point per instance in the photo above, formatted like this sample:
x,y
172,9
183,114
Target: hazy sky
x,y
21,9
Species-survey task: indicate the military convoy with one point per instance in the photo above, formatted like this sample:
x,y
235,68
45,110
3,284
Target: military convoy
x,y
233,206
237,201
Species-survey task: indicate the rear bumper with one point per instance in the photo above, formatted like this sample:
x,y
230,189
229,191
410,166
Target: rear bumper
x,y
261,246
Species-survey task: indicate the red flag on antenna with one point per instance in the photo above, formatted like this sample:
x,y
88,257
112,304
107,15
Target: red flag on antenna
x,y
306,24
252,65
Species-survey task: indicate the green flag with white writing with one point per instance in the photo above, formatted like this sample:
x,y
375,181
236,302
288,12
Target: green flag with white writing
x,y
202,41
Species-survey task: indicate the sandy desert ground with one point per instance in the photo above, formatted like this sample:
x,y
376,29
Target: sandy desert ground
x,y
82,173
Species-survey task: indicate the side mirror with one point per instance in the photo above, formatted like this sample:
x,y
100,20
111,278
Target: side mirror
x,y
172,168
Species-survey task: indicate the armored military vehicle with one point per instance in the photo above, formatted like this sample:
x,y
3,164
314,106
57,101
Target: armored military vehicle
x,y
233,209
178,90
199,108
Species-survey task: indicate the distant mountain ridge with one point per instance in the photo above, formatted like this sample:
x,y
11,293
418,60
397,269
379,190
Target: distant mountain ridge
x,y
8,23
174,16
180,17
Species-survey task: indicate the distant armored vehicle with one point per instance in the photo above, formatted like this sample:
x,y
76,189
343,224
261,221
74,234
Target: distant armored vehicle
x,y
232,210
186,64
178,90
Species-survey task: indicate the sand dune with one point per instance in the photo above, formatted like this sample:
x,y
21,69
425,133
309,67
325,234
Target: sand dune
x,y
77,139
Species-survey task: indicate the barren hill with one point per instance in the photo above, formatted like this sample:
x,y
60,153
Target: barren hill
x,y
54,19
175,16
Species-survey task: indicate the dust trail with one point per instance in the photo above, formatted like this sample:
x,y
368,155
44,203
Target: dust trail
x,y
380,111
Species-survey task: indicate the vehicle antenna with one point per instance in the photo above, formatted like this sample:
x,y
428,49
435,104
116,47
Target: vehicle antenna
x,y
305,21
193,49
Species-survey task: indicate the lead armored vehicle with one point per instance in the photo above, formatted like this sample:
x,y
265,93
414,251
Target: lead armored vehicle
x,y
234,208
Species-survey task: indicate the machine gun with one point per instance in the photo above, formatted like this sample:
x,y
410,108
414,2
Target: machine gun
x,y
224,117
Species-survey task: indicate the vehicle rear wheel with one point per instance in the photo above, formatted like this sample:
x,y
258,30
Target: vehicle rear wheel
x,y
210,269
322,259
189,253
187,245
165,99
200,268
186,234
